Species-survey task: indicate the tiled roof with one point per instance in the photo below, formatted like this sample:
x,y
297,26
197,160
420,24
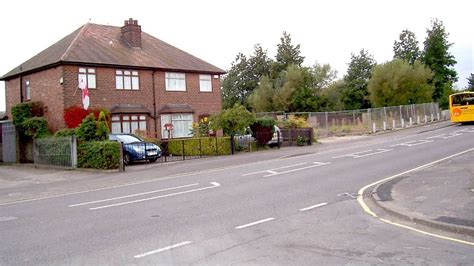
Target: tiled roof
x,y
103,45
175,109
129,109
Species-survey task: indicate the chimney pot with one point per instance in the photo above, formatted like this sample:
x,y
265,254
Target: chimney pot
x,y
132,33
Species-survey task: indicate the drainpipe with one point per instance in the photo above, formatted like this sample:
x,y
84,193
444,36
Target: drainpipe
x,y
21,88
154,102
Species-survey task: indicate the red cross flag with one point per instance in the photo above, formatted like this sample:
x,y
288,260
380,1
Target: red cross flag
x,y
85,93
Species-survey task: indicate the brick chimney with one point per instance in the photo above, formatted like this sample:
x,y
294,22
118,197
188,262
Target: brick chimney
x,y
132,33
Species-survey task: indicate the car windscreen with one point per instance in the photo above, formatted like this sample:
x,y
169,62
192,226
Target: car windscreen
x,y
127,139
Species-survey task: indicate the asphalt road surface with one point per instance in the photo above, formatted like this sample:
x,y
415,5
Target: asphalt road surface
x,y
299,209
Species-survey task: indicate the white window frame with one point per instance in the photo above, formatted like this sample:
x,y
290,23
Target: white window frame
x,y
89,76
175,81
127,79
128,123
182,125
27,90
205,83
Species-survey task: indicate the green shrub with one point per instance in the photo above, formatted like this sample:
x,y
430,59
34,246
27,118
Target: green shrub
x,y
35,127
87,129
98,155
192,147
301,141
265,121
23,111
65,132
102,132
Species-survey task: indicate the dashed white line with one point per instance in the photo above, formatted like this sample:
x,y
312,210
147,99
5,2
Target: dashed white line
x,y
254,223
7,218
133,195
162,249
314,206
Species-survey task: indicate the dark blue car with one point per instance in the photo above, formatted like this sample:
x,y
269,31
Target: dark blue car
x,y
136,149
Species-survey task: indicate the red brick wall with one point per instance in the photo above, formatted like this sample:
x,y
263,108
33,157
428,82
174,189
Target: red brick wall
x,y
106,95
44,87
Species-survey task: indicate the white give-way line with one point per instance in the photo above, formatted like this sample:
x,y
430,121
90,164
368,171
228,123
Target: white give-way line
x,y
213,185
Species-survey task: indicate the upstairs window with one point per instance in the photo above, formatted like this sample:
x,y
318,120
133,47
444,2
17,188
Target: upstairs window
x,y
205,83
87,75
127,80
175,81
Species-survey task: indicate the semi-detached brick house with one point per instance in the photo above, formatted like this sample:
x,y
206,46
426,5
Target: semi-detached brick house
x,y
143,81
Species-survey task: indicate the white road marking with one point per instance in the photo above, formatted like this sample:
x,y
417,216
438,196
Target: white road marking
x,y
363,153
314,206
278,168
413,143
7,218
254,223
162,249
351,154
315,164
133,195
214,185
360,199
445,136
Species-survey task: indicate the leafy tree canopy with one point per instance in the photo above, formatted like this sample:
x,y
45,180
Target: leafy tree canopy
x,y
355,93
470,82
406,48
399,83
437,57
243,77
287,54
233,120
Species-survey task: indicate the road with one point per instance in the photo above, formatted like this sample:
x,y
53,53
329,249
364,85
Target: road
x,y
298,209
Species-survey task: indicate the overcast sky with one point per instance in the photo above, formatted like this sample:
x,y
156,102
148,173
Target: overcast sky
x,y
215,31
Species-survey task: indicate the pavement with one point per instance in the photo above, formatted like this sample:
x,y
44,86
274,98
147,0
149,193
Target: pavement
x,y
440,196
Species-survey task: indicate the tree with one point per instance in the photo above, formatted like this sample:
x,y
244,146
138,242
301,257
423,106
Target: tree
x,y
399,83
437,57
355,93
323,76
261,98
293,91
406,48
233,120
470,82
287,54
243,77
331,97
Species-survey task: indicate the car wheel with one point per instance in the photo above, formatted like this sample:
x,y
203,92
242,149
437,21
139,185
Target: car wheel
x,y
126,159
152,160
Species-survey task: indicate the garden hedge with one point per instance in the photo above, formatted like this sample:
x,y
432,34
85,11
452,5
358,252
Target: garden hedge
x,y
98,155
199,146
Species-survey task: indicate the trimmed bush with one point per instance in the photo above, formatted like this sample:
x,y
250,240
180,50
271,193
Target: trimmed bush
x,y
88,129
23,111
98,155
65,132
199,146
35,127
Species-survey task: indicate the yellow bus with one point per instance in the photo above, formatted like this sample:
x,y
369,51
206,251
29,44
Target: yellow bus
x,y
461,107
